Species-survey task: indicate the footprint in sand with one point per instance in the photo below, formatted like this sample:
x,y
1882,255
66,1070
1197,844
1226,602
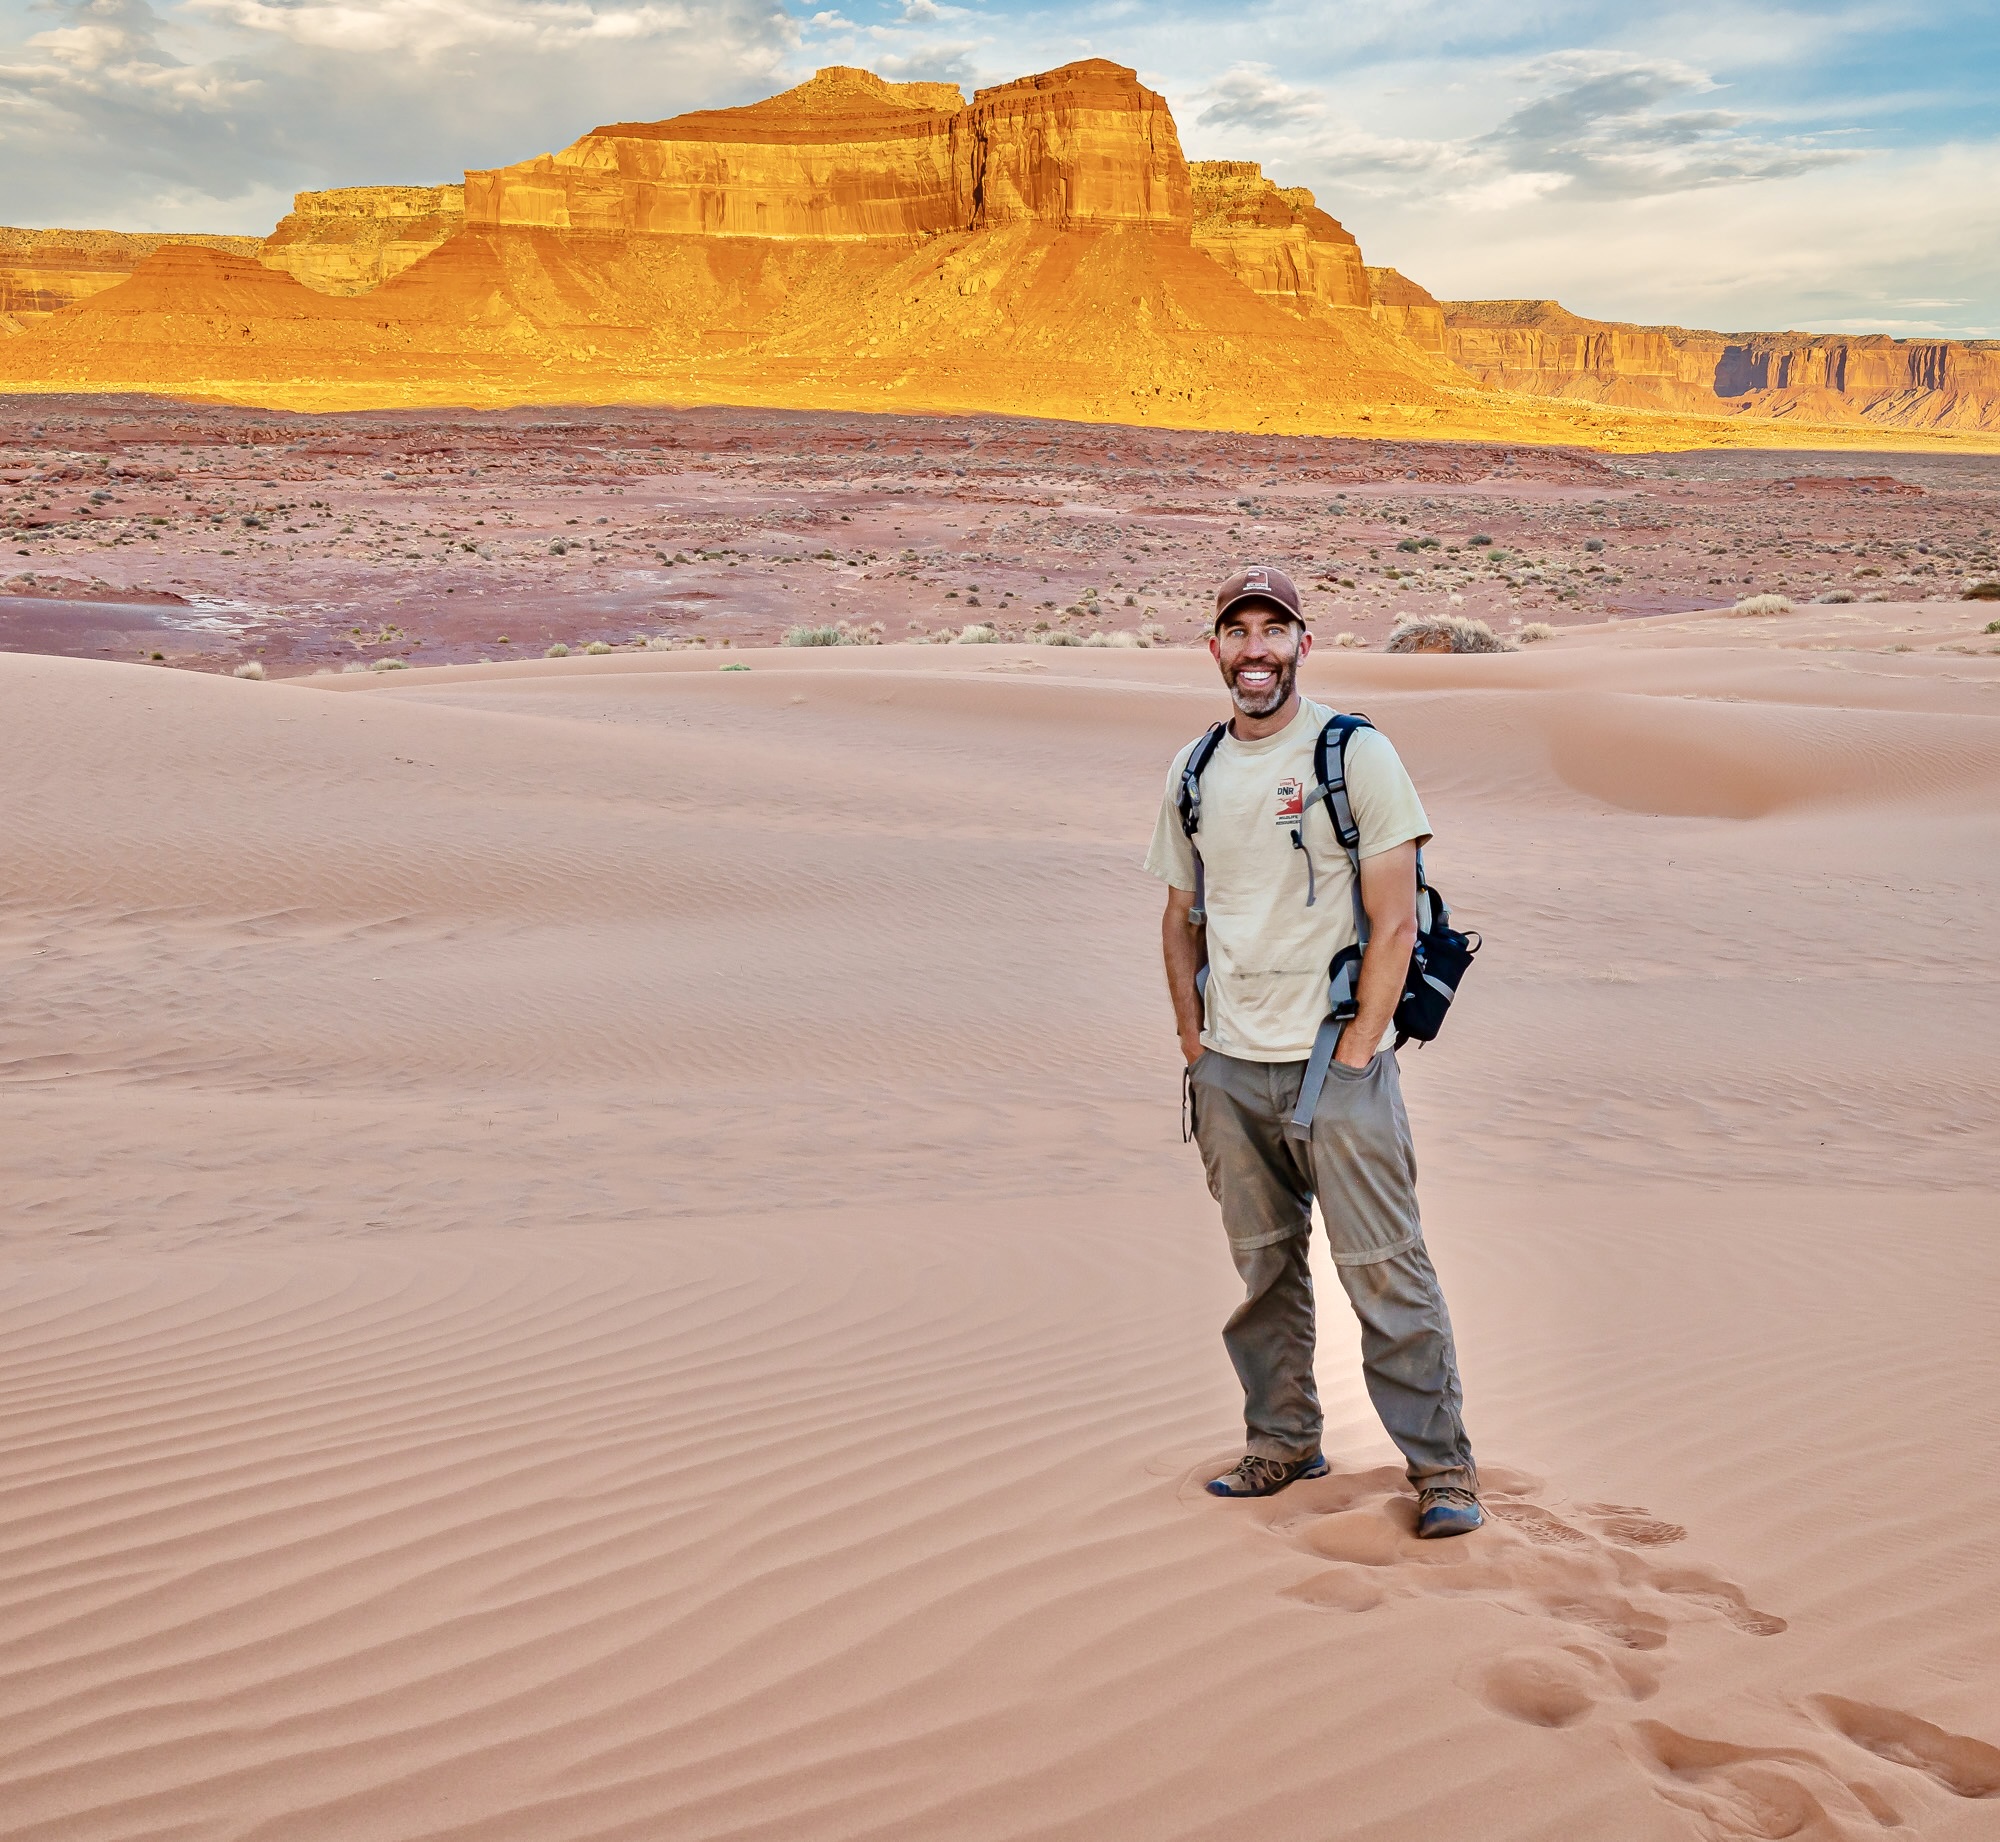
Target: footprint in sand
x,y
1966,1768
1594,1572
1560,1686
1742,1793
1748,1793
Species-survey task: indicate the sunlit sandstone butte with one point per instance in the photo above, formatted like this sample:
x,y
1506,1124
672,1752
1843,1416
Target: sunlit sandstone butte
x,y
1045,248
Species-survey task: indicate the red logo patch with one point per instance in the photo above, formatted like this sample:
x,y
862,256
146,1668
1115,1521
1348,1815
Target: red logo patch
x,y
1291,801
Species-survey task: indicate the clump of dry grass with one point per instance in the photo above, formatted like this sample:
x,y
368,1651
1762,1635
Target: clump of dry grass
x,y
251,668
1535,630
557,651
1347,639
1443,633
976,633
1837,594
840,633
597,647
1763,604
389,665
1982,591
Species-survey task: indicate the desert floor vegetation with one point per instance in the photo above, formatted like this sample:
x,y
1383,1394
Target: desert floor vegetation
x,y
1444,633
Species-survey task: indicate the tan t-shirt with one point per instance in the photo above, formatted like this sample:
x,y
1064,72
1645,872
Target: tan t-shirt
x,y
1268,953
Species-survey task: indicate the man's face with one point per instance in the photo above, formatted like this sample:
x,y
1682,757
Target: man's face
x,y
1259,648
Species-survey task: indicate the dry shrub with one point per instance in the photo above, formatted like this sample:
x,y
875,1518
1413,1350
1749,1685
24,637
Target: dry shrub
x,y
1983,591
1443,633
251,668
841,633
1836,594
1057,636
976,633
557,651
389,665
597,647
659,643
1536,630
1347,639
1763,604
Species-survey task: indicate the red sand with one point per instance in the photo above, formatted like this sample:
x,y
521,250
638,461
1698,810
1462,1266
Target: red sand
x,y
308,542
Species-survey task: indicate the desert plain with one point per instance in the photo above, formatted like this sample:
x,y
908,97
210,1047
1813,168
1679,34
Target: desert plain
x,y
599,1246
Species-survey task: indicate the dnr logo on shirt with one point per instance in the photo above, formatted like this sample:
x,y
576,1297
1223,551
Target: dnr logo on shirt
x,y
1291,801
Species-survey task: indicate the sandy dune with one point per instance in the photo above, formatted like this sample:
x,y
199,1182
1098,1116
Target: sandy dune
x,y
600,1249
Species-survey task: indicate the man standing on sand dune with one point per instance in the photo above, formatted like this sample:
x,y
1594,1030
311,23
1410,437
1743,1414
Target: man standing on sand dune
x,y
1268,931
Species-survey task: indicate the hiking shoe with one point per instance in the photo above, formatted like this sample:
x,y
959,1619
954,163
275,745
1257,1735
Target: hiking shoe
x,y
1265,1477
1445,1509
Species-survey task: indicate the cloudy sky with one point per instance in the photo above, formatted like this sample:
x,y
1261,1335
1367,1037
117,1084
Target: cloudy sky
x,y
1731,166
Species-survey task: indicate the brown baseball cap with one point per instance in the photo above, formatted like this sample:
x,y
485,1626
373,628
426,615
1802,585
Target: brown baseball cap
x,y
1259,582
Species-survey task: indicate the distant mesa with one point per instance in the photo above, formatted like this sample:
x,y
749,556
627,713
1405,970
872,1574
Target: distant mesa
x,y
850,156
1044,248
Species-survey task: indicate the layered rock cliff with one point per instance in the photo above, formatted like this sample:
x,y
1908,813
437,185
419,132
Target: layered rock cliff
x,y
852,241
1043,248
44,271
1541,348
848,155
1275,240
354,239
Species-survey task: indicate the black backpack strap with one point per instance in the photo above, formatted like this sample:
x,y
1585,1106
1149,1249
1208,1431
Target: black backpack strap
x,y
1343,978
1330,777
1189,801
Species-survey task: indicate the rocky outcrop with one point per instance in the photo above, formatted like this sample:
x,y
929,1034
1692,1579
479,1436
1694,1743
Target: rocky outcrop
x,y
1275,240
354,239
44,271
1042,248
848,155
1541,348
1413,312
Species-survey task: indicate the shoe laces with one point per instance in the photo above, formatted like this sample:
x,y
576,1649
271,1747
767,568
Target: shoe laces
x,y
1454,1495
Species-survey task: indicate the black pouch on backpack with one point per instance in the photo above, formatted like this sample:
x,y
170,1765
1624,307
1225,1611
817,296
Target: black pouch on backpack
x,y
1439,960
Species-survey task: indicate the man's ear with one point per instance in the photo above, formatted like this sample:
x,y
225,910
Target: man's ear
x,y
1305,644
1215,648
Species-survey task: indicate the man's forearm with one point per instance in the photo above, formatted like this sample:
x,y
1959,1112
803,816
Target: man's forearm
x,y
1184,948
1378,991
1389,895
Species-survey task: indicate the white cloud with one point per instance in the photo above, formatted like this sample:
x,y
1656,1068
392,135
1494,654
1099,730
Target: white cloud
x,y
117,105
1251,96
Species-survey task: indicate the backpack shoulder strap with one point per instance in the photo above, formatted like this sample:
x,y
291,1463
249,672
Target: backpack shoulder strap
x,y
1189,801
1330,777
1199,756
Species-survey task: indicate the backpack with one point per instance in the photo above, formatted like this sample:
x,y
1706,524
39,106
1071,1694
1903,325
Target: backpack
x,y
1439,960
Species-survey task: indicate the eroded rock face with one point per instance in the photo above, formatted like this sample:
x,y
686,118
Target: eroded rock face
x,y
354,239
44,271
1410,310
1274,239
1081,145
848,155
1542,348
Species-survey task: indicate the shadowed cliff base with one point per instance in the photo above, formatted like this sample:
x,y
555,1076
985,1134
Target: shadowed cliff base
x,y
1044,250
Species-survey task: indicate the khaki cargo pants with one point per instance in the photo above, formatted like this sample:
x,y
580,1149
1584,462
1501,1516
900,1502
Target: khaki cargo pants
x,y
1362,1167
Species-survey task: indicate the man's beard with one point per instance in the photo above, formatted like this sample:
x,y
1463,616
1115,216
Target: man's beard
x,y
1263,703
